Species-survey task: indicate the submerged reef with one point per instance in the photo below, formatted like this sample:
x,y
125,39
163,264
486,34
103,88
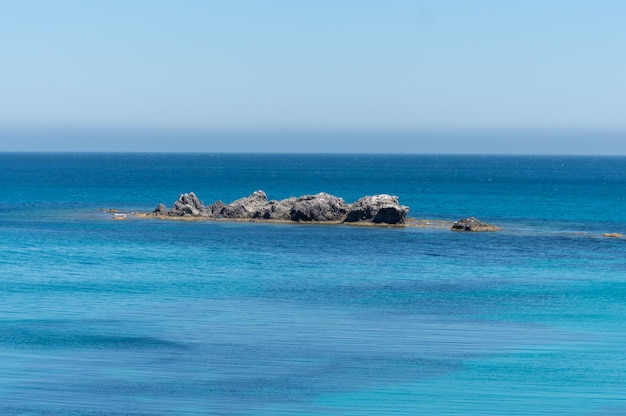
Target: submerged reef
x,y
318,208
613,235
472,224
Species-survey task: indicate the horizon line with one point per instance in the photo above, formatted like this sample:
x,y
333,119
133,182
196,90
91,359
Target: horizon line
x,y
528,141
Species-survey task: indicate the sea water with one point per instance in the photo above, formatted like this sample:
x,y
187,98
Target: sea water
x,y
153,317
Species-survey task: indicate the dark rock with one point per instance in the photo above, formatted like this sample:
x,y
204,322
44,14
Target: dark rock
x,y
472,224
187,205
216,209
318,207
253,206
322,207
279,210
160,210
377,209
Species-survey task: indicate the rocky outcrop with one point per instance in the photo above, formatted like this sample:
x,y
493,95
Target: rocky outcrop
x,y
187,205
216,209
252,206
160,210
472,224
377,209
279,210
321,207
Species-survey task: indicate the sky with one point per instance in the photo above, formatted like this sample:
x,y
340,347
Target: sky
x,y
399,76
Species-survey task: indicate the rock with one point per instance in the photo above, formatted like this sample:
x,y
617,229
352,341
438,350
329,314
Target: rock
x,y
279,210
161,210
253,206
318,207
321,207
613,235
216,209
377,209
187,205
472,224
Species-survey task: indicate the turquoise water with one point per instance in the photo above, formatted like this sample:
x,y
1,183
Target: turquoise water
x,y
149,317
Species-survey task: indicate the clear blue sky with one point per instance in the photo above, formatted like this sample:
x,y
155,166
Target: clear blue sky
x,y
421,76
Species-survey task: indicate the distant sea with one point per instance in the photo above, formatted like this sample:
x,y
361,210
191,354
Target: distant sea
x,y
153,317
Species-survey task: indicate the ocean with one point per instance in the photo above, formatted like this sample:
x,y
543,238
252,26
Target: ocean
x,y
153,317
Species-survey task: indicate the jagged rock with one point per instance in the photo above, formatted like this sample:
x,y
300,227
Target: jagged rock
x,y
216,209
377,209
187,205
472,224
321,207
279,210
318,207
161,210
252,206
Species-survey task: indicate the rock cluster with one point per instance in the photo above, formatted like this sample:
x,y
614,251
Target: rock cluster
x,y
472,224
321,207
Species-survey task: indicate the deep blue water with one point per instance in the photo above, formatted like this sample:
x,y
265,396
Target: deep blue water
x,y
150,317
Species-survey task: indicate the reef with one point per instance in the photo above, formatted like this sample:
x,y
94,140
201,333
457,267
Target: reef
x,y
613,235
472,224
319,208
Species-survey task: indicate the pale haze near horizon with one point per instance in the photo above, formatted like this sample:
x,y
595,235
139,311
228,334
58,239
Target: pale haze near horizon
x,y
317,76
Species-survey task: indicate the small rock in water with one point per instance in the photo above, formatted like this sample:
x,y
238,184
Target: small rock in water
x,y
613,235
472,224
160,210
378,209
